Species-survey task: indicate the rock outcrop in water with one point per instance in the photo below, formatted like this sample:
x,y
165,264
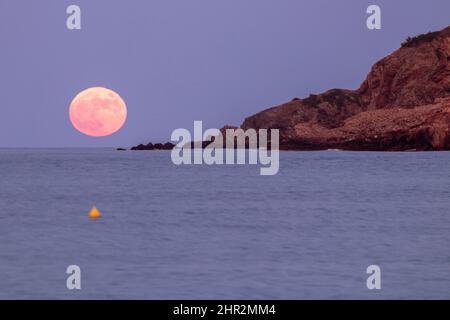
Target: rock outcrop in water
x,y
150,146
403,104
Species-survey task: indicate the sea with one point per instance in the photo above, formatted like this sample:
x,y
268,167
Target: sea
x,y
224,231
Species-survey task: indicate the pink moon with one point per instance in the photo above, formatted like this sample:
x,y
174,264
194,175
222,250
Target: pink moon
x,y
98,112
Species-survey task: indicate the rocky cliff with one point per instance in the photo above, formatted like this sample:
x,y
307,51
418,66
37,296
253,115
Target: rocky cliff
x,y
403,104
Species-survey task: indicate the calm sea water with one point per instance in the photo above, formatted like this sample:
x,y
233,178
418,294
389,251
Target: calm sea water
x,y
224,232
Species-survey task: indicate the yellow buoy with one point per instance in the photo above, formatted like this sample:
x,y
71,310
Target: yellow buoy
x,y
94,214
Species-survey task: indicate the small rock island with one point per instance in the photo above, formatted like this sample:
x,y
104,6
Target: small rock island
x,y
151,146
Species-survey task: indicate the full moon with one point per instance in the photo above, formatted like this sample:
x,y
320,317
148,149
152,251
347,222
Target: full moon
x,y
98,112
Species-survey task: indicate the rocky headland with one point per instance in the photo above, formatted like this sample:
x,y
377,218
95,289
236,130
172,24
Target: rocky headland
x,y
403,104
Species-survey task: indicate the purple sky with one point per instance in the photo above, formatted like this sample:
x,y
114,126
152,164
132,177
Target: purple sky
x,y
176,61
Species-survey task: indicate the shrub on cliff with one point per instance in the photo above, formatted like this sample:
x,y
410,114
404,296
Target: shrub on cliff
x,y
422,38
